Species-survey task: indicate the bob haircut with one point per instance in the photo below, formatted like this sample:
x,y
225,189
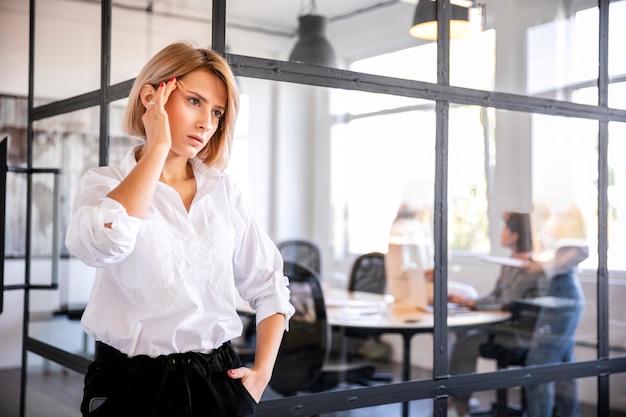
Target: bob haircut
x,y
178,60
520,223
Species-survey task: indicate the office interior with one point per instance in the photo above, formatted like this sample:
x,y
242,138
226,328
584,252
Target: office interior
x,y
524,112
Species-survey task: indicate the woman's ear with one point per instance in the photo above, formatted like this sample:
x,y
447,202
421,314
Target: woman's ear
x,y
146,94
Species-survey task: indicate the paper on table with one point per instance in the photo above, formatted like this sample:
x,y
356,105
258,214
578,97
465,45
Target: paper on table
x,y
503,260
356,309
361,304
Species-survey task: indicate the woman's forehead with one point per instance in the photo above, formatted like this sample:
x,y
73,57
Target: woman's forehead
x,y
203,81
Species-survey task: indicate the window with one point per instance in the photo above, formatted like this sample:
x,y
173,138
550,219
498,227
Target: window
x,y
381,144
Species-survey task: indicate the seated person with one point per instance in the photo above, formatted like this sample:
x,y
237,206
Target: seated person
x,y
513,283
409,260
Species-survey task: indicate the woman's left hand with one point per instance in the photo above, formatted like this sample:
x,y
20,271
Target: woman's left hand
x,y
252,380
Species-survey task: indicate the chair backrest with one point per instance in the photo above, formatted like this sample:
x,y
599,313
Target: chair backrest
x,y
368,274
302,252
306,346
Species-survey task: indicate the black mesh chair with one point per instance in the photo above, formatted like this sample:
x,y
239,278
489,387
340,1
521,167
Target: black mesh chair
x,y
524,316
302,364
368,275
302,252
306,346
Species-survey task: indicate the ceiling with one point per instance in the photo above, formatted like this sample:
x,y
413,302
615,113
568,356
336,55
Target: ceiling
x,y
355,28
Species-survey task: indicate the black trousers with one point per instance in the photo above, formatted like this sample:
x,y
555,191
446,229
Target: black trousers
x,y
184,384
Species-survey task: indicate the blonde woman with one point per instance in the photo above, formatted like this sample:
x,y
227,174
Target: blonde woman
x,y
173,243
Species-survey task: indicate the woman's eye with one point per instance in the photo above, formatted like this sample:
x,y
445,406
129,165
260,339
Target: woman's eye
x,y
218,113
194,101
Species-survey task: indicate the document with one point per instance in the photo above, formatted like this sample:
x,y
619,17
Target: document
x,y
503,260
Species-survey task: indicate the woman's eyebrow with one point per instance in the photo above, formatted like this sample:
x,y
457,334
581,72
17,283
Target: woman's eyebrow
x,y
200,96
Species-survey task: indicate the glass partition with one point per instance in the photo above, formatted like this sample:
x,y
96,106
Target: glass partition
x,y
63,148
67,56
541,49
616,230
339,167
617,62
139,33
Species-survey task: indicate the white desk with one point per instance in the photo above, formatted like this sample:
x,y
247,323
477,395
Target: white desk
x,y
378,313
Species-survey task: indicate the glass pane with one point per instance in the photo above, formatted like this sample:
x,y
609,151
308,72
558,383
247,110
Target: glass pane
x,y
272,31
617,61
616,230
565,183
617,201
67,32
565,220
400,167
617,382
469,143
119,142
541,49
137,35
14,31
13,122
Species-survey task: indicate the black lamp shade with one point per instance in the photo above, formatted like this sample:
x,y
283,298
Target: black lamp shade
x,y
425,20
312,46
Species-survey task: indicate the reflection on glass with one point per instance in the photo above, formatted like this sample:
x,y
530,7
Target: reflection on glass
x,y
60,54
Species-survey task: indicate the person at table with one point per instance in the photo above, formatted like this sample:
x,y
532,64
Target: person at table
x,y
566,235
513,283
409,261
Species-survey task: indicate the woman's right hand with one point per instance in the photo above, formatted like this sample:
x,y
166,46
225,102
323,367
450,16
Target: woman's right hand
x,y
155,119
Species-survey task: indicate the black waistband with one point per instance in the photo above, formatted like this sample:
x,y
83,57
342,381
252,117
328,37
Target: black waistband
x,y
223,357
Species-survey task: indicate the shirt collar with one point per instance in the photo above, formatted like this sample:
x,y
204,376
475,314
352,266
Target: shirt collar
x,y
207,177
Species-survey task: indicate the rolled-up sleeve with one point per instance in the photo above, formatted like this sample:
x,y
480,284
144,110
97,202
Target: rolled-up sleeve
x,y
258,274
88,238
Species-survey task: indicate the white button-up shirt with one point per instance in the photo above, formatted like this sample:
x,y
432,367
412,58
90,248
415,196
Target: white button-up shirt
x,y
169,283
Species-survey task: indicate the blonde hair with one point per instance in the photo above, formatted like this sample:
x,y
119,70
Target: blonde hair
x,y
178,60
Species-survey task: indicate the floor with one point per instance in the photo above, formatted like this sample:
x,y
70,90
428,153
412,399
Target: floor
x,y
60,390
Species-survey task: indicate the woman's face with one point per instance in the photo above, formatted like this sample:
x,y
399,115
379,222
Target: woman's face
x,y
508,239
195,108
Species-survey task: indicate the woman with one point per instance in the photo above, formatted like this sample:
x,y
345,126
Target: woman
x,y
566,235
174,243
513,283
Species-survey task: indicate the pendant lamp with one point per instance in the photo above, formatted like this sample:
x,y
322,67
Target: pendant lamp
x,y
425,21
312,46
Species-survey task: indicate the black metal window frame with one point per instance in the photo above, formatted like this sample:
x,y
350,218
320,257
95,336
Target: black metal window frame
x,y
441,385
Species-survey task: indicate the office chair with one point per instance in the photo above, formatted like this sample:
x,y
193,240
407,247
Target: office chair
x,y
302,363
523,316
368,275
504,357
302,252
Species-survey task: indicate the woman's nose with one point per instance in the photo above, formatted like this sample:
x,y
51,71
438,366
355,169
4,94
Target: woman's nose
x,y
205,122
